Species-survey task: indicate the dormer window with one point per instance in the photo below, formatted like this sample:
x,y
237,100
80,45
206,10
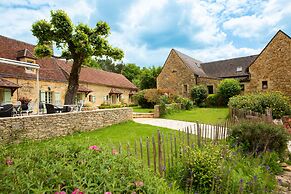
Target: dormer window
x,y
26,56
239,69
30,70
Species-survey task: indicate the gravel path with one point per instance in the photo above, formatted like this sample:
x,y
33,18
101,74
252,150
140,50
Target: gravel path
x,y
178,125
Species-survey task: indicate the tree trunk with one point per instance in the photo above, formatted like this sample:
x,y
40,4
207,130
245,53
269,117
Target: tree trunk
x,y
73,82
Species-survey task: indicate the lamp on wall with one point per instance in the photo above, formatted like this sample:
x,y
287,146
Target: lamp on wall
x,y
49,88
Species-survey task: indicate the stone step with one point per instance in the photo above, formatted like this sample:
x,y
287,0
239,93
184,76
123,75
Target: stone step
x,y
143,115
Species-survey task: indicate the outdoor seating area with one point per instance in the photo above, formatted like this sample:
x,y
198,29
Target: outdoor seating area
x,y
18,109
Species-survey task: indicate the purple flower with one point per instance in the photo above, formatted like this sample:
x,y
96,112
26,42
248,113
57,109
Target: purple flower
x,y
255,178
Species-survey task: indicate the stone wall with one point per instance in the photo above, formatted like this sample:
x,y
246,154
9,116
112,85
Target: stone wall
x,y
274,66
209,82
175,75
37,127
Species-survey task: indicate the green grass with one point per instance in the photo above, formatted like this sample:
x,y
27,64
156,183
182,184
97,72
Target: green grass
x,y
204,115
110,136
142,110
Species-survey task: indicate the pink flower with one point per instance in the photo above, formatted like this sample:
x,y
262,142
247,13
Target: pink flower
x,y
114,152
94,147
61,192
138,183
108,192
77,191
9,162
133,192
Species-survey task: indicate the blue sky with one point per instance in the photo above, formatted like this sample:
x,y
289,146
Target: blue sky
x,y
146,30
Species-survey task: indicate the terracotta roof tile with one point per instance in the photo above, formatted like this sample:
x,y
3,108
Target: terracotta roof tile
x,y
8,84
12,49
84,89
53,69
100,77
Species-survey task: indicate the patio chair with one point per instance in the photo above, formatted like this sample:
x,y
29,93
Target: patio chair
x,y
67,109
7,110
29,109
50,109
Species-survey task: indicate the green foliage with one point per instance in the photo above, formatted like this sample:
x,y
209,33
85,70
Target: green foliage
x,y
199,94
219,169
139,97
258,137
150,97
197,169
65,167
78,43
106,65
244,174
131,71
186,103
148,77
212,100
228,88
259,102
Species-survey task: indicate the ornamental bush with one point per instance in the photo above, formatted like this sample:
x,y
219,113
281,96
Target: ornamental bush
x,y
228,88
259,102
199,94
258,137
186,103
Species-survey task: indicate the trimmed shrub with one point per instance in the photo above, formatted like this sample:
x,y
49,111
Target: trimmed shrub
x,y
212,100
139,97
228,88
105,106
199,94
258,137
186,103
150,97
259,102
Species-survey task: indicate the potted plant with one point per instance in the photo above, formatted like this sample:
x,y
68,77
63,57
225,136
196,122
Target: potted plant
x,y
24,102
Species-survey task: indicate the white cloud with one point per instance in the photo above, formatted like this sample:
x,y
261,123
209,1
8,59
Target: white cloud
x,y
268,18
17,17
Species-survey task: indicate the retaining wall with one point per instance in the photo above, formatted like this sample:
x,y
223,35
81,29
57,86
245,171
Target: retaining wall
x,y
17,129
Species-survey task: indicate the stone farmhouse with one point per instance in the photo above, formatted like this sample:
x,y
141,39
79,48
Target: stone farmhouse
x,y
96,86
268,71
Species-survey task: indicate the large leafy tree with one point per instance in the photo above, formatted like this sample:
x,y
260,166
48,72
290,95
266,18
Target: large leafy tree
x,y
148,77
78,43
106,65
131,71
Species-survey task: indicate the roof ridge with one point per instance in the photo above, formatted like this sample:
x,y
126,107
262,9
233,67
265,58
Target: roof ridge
x,y
231,59
17,40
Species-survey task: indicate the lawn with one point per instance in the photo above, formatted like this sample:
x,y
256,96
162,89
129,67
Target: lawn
x,y
112,135
203,115
142,110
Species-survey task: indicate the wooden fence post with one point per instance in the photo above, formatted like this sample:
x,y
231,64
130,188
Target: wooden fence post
x,y
154,154
148,153
198,134
160,153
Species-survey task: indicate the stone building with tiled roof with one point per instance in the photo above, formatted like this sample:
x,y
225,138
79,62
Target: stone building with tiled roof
x,y
268,71
95,85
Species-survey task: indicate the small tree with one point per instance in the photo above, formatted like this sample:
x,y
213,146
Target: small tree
x,y
228,88
199,94
78,43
